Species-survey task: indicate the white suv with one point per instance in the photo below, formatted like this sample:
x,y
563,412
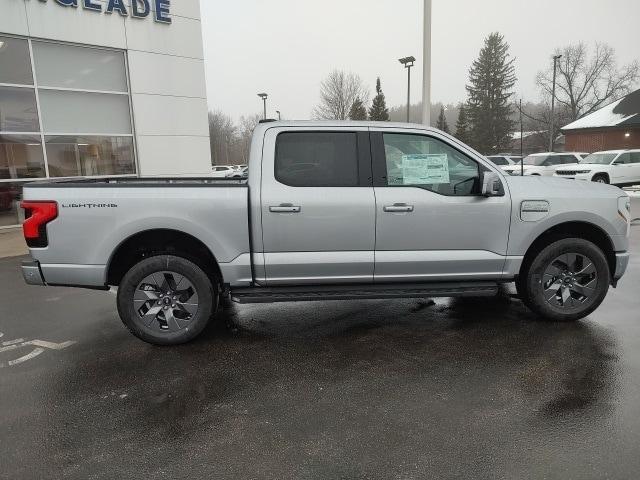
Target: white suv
x,y
544,164
617,167
223,171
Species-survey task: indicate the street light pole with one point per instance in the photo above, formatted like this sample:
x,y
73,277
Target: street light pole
x,y
426,65
264,96
553,101
408,62
279,116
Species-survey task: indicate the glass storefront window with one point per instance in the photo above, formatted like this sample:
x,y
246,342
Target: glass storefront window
x,y
79,112
84,68
77,100
18,112
10,211
71,156
15,62
21,156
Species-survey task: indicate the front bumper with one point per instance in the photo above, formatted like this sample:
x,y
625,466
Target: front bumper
x,y
622,262
32,273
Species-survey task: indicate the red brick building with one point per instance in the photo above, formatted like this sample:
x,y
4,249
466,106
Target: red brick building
x,y
614,127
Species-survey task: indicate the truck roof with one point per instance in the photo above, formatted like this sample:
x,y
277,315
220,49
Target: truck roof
x,y
342,124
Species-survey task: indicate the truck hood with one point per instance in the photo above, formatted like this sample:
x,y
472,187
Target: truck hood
x,y
553,187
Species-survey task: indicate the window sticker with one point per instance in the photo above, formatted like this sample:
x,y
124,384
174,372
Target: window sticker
x,y
425,169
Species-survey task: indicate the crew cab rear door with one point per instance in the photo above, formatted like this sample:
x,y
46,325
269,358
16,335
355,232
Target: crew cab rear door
x,y
318,208
432,222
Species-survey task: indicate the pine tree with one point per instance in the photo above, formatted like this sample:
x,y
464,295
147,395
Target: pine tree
x,y
491,78
358,112
379,111
442,121
462,125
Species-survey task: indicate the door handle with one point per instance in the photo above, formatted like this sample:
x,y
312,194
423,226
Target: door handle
x,y
398,208
285,208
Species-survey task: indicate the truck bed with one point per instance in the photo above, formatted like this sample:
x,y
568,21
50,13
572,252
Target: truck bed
x,y
96,216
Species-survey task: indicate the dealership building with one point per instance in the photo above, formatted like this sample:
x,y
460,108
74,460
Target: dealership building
x,y
99,88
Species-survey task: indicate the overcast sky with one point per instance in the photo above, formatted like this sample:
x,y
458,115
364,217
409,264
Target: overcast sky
x,y
286,47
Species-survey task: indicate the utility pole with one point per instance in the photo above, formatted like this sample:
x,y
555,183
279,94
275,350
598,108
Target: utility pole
x,y
264,96
553,102
408,62
279,116
426,65
521,142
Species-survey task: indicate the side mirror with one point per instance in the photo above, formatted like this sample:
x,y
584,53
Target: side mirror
x,y
492,185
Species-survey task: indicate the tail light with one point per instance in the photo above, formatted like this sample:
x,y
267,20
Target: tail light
x,y
37,216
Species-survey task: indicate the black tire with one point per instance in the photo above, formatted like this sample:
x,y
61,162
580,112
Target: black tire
x,y
600,178
185,319
544,293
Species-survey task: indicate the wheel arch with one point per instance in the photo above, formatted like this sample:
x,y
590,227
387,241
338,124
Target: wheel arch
x,y
579,229
154,242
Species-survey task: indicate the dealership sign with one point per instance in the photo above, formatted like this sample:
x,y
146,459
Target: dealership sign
x,y
159,9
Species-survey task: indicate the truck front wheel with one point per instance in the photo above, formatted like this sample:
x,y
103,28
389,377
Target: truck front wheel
x,y
166,300
566,281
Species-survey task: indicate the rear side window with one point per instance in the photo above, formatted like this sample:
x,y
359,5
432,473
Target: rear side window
x,y
317,159
635,157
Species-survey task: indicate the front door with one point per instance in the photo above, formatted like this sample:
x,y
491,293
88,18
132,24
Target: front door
x,y
432,223
318,208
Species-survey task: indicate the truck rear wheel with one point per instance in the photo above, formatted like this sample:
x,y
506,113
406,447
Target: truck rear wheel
x,y
166,300
566,281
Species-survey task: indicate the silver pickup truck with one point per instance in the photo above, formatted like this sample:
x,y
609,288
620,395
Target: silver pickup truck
x,y
330,211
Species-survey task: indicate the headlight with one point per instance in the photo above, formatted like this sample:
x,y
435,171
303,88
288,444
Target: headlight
x,y
582,172
624,208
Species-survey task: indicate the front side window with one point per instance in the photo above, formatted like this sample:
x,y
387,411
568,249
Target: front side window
x,y
317,159
429,163
635,157
600,158
623,159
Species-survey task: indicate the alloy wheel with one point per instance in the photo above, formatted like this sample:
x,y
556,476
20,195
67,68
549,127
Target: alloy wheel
x,y
165,301
570,281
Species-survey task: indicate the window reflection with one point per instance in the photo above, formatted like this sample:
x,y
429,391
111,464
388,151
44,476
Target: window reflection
x,y
18,112
21,157
71,156
10,196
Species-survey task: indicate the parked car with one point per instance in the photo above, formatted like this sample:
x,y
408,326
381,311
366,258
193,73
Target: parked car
x,y
504,160
223,171
331,211
544,164
617,167
241,173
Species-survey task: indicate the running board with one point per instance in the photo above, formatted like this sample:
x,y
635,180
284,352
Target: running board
x,y
367,292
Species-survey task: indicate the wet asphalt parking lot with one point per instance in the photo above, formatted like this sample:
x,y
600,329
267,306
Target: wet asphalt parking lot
x,y
468,388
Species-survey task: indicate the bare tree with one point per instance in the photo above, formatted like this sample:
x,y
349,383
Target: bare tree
x,y
338,92
245,132
584,84
222,133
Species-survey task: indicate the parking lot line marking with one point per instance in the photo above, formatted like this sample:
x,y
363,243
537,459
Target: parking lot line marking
x,y
50,345
12,342
10,347
24,358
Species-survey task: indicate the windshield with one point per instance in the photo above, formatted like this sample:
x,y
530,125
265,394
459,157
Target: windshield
x,y
600,158
536,160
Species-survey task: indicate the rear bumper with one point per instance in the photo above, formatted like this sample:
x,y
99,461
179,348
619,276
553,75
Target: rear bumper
x,y
32,273
622,262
